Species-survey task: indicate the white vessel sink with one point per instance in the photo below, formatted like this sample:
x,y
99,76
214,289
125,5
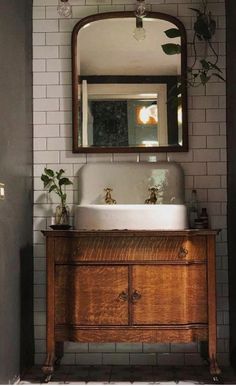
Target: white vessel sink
x,y
131,216
130,183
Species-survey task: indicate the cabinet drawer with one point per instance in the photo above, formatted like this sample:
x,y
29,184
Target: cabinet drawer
x,y
130,248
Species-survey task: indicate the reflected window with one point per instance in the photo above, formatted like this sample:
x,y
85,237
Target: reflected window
x,y
117,115
122,122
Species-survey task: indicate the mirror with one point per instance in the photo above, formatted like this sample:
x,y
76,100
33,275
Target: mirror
x,y
128,94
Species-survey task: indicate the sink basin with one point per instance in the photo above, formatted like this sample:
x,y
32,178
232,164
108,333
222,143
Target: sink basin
x,y
130,183
131,216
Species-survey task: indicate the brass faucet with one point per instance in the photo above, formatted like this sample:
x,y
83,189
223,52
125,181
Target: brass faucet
x,y
108,199
153,195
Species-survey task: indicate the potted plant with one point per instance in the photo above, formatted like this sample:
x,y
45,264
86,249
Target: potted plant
x,y
55,181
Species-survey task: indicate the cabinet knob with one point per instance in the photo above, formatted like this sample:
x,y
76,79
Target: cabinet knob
x,y
124,296
183,252
135,296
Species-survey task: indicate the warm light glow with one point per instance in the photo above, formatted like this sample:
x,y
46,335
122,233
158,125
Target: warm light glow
x,y
150,143
86,26
144,115
148,115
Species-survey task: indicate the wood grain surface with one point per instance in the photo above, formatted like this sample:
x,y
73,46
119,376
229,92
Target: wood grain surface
x,y
135,335
131,286
100,248
91,295
170,295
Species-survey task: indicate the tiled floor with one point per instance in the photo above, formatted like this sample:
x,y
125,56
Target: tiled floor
x,y
129,374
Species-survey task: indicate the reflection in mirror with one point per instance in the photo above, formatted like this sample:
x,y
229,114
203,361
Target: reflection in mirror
x,y
123,122
124,115
124,89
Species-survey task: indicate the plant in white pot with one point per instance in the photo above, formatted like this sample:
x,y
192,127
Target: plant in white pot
x,y
55,181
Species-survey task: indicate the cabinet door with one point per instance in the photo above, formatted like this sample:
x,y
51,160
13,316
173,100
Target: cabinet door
x,y
91,295
169,294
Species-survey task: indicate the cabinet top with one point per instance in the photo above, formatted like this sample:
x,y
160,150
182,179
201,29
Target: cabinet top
x,y
129,233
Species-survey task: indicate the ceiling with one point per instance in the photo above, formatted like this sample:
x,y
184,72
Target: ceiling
x,y
107,47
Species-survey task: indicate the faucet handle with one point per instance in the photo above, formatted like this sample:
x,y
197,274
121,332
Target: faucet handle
x,y
108,198
153,188
153,198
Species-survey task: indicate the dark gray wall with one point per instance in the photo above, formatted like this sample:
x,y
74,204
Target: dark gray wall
x,y
231,139
16,172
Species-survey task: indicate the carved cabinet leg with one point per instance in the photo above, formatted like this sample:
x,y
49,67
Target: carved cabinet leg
x,y
48,367
214,368
212,335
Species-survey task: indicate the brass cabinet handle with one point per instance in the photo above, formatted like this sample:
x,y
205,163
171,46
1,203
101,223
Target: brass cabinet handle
x,y
123,296
183,252
135,296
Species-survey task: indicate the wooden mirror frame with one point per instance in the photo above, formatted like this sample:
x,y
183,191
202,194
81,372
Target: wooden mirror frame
x,y
75,77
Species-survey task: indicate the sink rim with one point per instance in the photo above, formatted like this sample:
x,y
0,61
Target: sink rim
x,y
132,217
127,206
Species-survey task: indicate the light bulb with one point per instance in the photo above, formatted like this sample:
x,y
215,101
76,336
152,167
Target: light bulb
x,y
139,33
64,8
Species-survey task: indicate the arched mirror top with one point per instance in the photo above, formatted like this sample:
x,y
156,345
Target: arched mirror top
x,y
128,94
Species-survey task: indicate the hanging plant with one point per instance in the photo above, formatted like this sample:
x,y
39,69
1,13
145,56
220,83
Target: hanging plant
x,y
202,69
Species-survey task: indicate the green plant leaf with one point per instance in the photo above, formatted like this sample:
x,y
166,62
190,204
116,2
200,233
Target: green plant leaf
x,y
45,184
196,10
46,180
59,174
204,78
53,187
44,177
193,75
65,181
49,172
171,49
218,76
173,33
205,64
213,65
201,27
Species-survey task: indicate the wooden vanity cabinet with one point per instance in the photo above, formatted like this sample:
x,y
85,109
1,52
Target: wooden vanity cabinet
x,y
130,286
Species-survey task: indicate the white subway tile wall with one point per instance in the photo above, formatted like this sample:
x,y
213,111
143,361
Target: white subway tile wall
x,y
204,166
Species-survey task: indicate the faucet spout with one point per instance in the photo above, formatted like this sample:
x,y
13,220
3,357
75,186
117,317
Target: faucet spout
x,y
153,195
108,199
